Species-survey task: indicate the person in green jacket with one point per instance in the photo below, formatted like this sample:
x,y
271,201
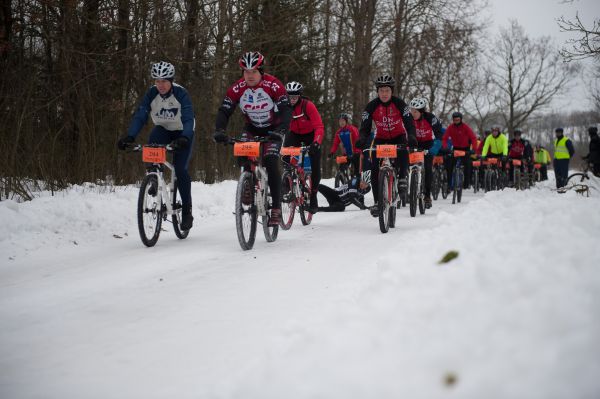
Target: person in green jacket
x,y
541,156
495,145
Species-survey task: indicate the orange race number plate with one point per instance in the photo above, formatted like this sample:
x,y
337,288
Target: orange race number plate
x,y
476,164
246,149
492,161
154,154
341,159
458,153
290,151
386,151
537,166
416,157
438,160
516,162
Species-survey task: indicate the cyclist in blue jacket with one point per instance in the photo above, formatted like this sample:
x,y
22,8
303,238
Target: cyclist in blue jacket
x,y
171,110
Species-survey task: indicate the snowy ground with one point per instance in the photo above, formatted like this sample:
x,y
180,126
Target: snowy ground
x,y
332,310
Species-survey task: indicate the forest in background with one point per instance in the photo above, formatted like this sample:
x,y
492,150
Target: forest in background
x,y
74,71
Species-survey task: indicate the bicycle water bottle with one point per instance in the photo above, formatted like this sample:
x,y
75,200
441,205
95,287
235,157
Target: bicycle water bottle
x,y
307,167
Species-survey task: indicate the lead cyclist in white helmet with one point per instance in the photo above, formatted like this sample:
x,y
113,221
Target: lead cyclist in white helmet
x,y
171,110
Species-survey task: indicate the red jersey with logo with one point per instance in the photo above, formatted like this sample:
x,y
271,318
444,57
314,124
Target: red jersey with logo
x,y
259,103
516,149
306,120
391,120
428,127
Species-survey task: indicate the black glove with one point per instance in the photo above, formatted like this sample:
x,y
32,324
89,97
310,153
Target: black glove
x,y
361,143
314,148
219,136
277,135
412,141
180,143
124,142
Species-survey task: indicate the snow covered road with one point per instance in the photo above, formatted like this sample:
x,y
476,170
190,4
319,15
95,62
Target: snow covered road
x,y
332,310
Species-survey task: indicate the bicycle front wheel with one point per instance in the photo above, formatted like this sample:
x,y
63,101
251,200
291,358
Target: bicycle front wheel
x,y
444,184
459,184
435,184
385,197
475,181
176,216
150,212
245,211
412,193
288,200
422,194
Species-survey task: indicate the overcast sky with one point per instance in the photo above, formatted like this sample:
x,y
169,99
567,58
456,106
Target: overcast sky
x,y
538,18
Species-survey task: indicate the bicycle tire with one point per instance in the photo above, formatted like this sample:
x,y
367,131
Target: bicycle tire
x,y
269,231
176,216
384,199
583,176
435,184
245,215
413,193
517,179
475,178
288,201
444,185
149,211
422,194
340,179
305,215
461,180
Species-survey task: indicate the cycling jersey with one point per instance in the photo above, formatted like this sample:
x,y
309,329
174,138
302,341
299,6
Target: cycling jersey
x,y
495,145
347,135
391,119
173,111
265,105
306,120
462,136
428,127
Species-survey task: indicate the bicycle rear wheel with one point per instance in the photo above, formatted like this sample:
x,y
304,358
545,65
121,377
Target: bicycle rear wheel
x,y
422,194
385,197
270,231
288,201
305,215
412,193
245,214
150,211
176,216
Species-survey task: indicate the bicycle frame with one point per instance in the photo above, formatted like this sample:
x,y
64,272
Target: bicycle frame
x,y
164,189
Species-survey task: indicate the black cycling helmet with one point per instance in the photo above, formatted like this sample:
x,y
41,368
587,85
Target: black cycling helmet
x,y
593,130
457,115
517,132
385,80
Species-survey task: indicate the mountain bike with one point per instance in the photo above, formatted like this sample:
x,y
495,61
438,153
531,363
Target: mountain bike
x,y
490,175
387,195
439,182
296,186
458,175
416,183
342,176
252,198
157,199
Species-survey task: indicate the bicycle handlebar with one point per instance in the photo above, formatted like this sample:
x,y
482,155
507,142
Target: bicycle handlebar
x,y
138,147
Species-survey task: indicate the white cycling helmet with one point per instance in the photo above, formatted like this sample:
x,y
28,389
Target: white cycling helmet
x,y
163,70
294,88
418,103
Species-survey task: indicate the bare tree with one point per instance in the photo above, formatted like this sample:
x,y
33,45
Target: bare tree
x,y
526,73
586,45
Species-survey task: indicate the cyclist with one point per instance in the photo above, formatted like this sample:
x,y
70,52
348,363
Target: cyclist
x,y
463,139
306,128
563,152
519,148
542,157
171,110
394,125
347,135
495,145
264,102
429,136
593,156
347,194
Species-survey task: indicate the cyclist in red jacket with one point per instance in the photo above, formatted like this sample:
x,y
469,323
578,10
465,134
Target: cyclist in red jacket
x,y
429,135
265,105
463,139
394,125
347,135
306,128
